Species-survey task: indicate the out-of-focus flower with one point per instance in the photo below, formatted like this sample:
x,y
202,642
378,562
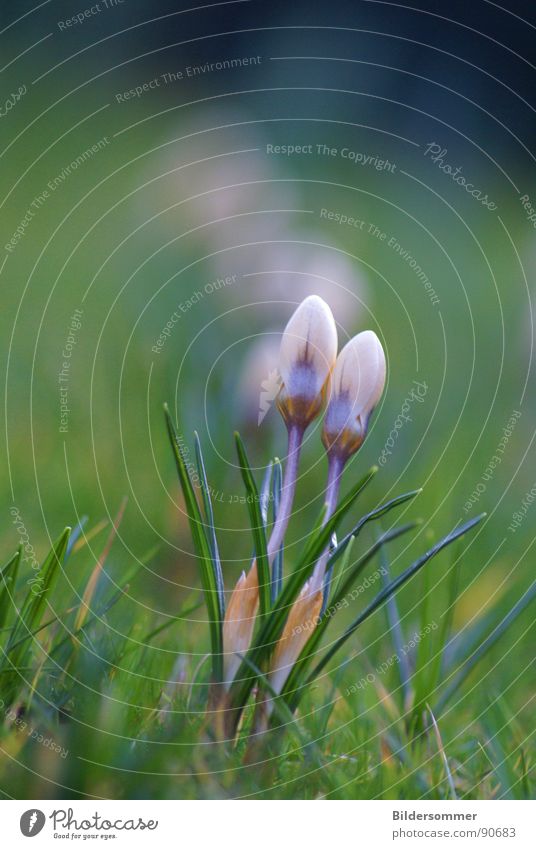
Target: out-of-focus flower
x,y
304,263
277,273
306,357
357,383
291,267
239,622
215,170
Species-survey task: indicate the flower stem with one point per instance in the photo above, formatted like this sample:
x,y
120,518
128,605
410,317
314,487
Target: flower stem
x,y
333,485
295,440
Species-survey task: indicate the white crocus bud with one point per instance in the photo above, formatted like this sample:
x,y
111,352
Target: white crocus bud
x,y
306,357
357,383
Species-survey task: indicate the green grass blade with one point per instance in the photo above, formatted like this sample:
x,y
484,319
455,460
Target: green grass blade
x,y
202,546
396,631
76,533
29,617
69,638
340,591
308,652
286,718
346,583
33,633
377,513
271,631
257,527
178,617
8,580
211,531
478,653
35,600
326,586
445,628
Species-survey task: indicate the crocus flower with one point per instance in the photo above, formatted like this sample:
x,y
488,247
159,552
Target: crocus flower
x,y
306,357
357,384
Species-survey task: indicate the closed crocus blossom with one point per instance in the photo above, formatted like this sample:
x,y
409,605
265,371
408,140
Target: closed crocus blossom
x,y
239,622
306,357
357,384
301,622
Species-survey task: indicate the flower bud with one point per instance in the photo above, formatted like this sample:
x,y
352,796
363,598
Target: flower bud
x,y
357,384
301,622
239,622
306,357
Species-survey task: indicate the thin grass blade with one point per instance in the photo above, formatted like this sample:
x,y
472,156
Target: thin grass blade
x,y
36,599
8,580
345,580
257,528
480,651
29,617
91,586
271,630
202,546
395,629
443,754
326,586
395,585
377,513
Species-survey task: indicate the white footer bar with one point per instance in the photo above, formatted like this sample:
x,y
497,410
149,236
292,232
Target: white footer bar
x,y
269,824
